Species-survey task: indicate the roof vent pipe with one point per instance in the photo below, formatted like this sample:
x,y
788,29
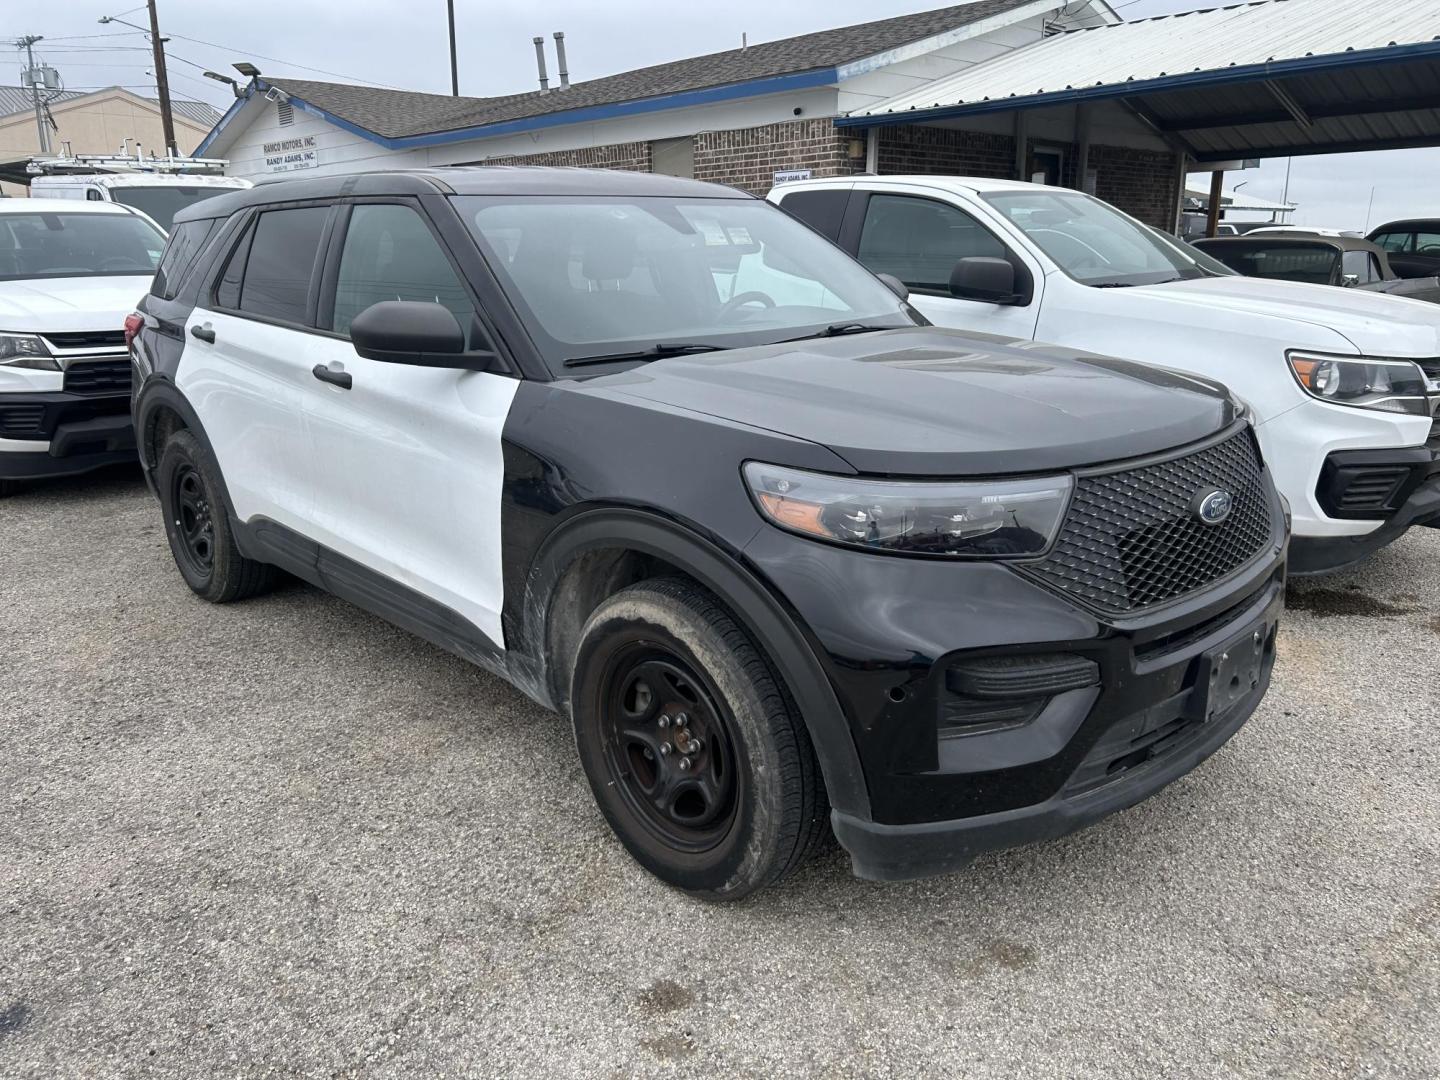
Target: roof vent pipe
x,y
560,68
540,63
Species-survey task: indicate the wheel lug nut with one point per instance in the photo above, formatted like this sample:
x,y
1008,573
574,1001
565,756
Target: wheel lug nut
x,y
664,721
684,764
681,720
664,749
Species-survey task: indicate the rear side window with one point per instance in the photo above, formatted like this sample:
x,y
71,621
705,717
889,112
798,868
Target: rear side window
x,y
1396,242
823,211
270,273
390,254
920,240
185,243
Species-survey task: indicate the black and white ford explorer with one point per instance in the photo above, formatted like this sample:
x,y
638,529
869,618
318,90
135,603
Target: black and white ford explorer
x,y
672,464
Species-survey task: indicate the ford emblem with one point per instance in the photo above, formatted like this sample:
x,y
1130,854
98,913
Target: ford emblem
x,y
1213,507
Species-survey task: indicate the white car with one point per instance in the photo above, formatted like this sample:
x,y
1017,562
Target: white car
x,y
159,195
1344,384
70,273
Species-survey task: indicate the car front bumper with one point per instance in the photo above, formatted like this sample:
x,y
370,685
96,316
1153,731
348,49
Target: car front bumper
x,y
1133,757
56,433
1389,490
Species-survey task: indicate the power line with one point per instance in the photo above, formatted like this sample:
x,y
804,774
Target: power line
x,y
287,63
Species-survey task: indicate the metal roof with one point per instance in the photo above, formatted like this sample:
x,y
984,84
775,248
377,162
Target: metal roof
x,y
16,99
1234,200
1260,79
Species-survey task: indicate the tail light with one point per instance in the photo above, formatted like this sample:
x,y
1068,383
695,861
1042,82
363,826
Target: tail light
x,y
133,322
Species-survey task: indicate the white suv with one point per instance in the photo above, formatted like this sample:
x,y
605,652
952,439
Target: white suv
x,y
1343,383
70,272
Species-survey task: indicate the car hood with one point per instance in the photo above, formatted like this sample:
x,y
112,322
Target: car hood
x,y
933,402
42,305
1375,324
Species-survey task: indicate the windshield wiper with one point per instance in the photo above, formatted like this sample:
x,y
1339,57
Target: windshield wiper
x,y
1113,285
655,352
839,329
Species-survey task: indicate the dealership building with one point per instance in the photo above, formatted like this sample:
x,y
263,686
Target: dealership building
x,y
1062,93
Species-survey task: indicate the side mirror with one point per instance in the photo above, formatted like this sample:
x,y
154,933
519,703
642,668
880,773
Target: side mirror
x,y
985,278
895,285
1350,280
424,334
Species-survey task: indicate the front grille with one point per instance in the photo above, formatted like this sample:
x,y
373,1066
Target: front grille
x,y
22,421
1132,538
88,339
98,377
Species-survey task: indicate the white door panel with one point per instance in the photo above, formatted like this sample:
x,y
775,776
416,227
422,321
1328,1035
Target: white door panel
x,y
409,477
249,389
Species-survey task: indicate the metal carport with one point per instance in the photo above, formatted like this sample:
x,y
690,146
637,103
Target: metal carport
x,y
1268,79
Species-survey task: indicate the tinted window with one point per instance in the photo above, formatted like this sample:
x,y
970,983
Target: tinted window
x,y
821,210
1427,243
281,262
91,195
1398,241
920,240
1282,261
1361,265
185,243
390,254
77,245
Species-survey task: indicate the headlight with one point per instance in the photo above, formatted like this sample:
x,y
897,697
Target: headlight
x,y
27,351
1396,386
992,519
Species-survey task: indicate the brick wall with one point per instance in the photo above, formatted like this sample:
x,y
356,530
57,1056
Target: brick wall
x,y
945,151
631,156
749,158
1143,183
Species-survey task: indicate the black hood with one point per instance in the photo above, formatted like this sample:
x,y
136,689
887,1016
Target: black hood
x,y
924,401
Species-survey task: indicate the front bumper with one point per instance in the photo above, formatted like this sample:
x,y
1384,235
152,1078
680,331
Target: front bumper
x,y
1397,488
58,433
1132,759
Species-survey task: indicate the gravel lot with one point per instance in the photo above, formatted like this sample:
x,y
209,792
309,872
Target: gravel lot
x,y
284,839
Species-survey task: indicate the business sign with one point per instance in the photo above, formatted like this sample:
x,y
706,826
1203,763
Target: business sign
x,y
288,155
789,176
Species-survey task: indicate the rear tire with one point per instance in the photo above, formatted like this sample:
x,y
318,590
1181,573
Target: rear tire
x,y
8,488
694,750
198,526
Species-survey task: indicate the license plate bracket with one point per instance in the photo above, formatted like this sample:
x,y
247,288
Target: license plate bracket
x,y
1231,672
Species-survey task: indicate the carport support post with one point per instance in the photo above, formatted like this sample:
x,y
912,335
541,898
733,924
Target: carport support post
x,y
1212,220
1022,145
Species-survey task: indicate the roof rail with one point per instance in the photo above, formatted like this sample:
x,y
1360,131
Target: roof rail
x,y
89,164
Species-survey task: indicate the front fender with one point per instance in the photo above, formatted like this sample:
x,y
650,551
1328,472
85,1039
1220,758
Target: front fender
x,y
764,614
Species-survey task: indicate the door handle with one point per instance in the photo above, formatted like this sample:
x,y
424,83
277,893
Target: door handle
x,y
204,333
335,378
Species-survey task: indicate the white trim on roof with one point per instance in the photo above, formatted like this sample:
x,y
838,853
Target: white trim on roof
x,y
1175,46
958,34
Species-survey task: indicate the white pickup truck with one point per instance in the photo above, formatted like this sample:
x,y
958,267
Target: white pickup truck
x,y
1344,384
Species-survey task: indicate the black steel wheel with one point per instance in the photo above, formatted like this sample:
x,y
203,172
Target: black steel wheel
x,y
193,523
198,527
668,744
693,748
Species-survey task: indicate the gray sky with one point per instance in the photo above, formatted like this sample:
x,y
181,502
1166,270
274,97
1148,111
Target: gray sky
x,y
403,43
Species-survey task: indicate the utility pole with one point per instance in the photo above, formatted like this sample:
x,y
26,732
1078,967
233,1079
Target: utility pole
x,y
454,68
162,82
28,44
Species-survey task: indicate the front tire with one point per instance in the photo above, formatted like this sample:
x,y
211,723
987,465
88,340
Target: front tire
x,y
198,527
694,750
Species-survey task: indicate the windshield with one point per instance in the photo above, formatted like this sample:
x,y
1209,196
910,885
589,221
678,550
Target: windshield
x,y
163,201
594,276
77,245
1091,241
1205,262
